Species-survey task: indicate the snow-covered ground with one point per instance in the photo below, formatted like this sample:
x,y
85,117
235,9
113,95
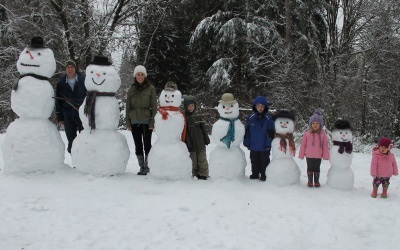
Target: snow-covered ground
x,y
69,210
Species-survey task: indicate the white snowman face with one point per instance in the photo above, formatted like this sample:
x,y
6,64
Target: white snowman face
x,y
342,135
228,110
37,61
170,98
102,78
284,125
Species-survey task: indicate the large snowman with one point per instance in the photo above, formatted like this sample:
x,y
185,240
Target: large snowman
x,y
32,142
283,170
340,175
169,157
227,159
100,149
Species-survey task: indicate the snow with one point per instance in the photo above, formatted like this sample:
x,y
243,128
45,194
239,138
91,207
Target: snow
x,y
69,210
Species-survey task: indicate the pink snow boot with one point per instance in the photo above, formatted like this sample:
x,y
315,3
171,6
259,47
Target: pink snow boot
x,y
374,193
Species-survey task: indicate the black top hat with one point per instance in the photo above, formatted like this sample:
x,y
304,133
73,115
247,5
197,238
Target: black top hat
x,y
283,113
37,43
100,60
342,124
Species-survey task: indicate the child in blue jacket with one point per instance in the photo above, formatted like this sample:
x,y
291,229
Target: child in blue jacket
x,y
260,130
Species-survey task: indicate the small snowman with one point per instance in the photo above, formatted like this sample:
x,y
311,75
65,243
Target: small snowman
x,y
100,149
169,157
32,142
227,159
283,170
340,175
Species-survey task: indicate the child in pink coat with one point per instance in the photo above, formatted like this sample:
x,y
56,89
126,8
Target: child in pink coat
x,y
314,146
383,166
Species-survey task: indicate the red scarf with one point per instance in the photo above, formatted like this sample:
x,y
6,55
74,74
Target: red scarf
x,y
164,114
283,142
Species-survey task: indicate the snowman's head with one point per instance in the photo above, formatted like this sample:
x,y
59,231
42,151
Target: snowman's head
x,y
342,131
101,76
284,125
38,61
228,107
342,135
170,98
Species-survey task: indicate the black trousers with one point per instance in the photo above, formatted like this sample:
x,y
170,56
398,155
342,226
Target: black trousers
x,y
142,138
313,164
72,125
259,161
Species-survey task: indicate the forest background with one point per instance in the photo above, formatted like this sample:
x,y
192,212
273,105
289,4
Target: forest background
x,y
342,56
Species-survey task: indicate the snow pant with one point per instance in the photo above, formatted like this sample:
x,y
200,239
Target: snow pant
x,y
381,180
199,163
313,164
72,124
142,137
259,161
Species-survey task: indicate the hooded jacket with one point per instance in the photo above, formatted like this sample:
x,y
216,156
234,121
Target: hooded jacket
x,y
259,128
314,145
383,165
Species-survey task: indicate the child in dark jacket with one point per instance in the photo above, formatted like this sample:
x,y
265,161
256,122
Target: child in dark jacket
x,y
383,166
196,139
260,128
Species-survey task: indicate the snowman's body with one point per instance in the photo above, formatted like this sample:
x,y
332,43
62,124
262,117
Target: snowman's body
x,y
169,157
227,162
283,170
103,150
32,142
340,175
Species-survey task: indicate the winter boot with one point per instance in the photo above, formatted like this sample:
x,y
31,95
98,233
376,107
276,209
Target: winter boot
x,y
146,164
141,165
201,177
384,192
263,177
316,179
374,193
310,179
254,176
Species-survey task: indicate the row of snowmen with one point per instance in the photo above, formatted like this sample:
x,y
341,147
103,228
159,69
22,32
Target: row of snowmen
x,y
33,143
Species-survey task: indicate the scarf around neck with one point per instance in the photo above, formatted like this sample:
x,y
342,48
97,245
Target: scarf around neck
x,y
90,104
344,146
39,77
283,143
230,135
164,114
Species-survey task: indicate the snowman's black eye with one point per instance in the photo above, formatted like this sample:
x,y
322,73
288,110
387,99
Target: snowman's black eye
x,y
223,106
281,122
39,54
91,72
165,95
27,52
172,95
232,106
104,73
340,132
346,133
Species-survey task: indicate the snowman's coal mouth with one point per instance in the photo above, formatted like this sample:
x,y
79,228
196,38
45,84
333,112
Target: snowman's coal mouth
x,y
168,101
98,84
228,113
345,140
30,65
283,126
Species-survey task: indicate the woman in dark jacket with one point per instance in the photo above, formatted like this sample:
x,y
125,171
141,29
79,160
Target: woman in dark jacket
x,y
141,107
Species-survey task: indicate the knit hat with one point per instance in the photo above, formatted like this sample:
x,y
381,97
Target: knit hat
x,y
37,43
101,60
227,98
317,117
342,124
70,62
140,69
385,142
171,86
283,113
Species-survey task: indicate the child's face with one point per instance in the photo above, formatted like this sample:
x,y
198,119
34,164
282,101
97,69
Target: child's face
x,y
190,107
383,149
315,126
260,108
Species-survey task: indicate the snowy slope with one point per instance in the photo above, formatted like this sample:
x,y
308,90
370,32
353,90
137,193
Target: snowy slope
x,y
69,210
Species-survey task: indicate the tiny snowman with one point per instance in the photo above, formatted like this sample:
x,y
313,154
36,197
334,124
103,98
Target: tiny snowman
x,y
283,170
227,159
100,149
340,175
169,157
32,142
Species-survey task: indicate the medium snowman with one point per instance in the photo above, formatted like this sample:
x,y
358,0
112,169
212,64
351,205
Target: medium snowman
x,y
340,175
283,170
100,149
227,159
32,100
169,157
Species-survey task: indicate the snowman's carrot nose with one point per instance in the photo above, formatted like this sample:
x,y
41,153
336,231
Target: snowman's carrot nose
x,y
30,54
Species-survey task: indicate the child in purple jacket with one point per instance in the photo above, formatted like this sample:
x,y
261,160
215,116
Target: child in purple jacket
x,y
314,146
383,166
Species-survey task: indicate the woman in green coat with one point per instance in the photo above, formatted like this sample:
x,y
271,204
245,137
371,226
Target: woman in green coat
x,y
141,107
